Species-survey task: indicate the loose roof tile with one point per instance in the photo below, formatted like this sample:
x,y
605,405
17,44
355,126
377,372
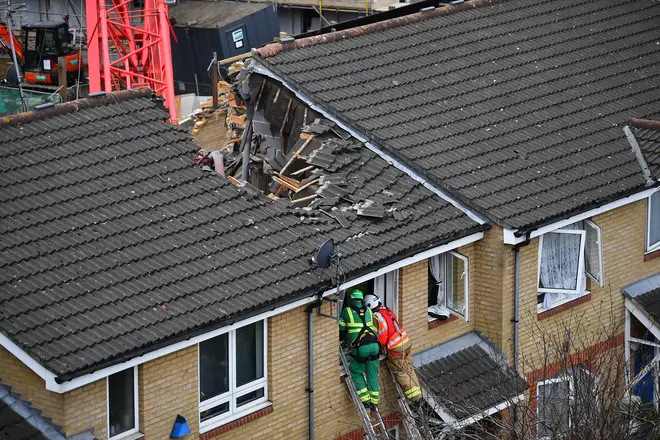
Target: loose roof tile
x,y
114,244
515,107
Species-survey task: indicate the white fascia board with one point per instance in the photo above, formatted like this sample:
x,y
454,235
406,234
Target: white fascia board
x,y
643,317
410,260
260,69
490,411
80,381
511,238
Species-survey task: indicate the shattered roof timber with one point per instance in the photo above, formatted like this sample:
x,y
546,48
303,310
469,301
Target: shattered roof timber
x,y
516,107
114,244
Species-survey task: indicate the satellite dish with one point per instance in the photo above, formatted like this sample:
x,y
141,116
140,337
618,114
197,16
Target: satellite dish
x,y
325,254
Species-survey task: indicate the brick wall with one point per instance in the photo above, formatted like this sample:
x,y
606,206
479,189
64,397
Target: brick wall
x,y
212,134
601,315
85,408
31,387
168,387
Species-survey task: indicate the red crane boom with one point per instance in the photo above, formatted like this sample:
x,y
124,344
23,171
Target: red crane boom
x,y
129,46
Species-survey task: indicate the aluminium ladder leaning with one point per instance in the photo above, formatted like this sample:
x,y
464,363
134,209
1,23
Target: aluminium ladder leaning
x,y
409,422
369,428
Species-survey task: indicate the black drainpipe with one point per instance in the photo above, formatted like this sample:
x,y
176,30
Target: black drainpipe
x,y
516,311
310,364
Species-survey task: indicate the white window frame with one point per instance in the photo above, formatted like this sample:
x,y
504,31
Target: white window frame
x,y
466,286
387,288
599,240
650,247
565,377
136,406
234,392
580,271
465,315
571,397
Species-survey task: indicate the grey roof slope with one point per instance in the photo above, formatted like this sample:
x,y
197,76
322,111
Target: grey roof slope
x,y
515,107
646,294
20,421
647,134
113,244
468,375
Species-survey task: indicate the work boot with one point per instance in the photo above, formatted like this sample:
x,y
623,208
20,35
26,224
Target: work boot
x,y
369,406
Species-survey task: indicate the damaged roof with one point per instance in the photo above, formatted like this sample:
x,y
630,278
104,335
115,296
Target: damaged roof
x,y
646,294
467,376
113,244
515,107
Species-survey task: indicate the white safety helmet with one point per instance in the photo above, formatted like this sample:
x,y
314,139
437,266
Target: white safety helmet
x,y
372,301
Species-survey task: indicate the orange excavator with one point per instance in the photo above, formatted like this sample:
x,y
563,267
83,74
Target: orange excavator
x,y
38,55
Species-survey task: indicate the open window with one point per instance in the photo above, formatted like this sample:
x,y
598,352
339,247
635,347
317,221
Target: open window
x,y
386,287
564,401
653,222
566,257
449,286
232,375
123,404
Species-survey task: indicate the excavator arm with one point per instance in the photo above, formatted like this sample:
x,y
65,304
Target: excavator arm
x,y
5,42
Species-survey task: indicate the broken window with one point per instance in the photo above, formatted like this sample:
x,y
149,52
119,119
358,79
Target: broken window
x,y
448,286
232,375
123,403
566,257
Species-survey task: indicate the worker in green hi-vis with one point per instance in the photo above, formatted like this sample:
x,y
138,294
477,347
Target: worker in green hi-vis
x,y
357,329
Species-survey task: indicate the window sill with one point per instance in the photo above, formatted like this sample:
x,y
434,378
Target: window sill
x,y
438,322
229,424
133,436
543,314
652,255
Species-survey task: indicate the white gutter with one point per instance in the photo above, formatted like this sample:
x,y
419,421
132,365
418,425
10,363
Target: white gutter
x,y
259,68
511,238
52,385
495,409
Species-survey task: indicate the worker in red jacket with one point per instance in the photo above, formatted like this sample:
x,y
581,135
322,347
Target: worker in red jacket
x,y
398,346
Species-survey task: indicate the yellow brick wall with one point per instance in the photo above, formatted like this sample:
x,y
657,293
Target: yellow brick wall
x,y
85,408
601,317
31,387
168,387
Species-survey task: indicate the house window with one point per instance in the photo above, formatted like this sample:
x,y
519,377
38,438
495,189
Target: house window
x,y
562,403
232,375
123,404
566,257
386,287
653,223
449,286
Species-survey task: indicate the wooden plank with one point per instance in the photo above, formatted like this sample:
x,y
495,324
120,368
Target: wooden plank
x,y
233,180
214,80
284,183
312,182
309,168
235,58
61,77
304,199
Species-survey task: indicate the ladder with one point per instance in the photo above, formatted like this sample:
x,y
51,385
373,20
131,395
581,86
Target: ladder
x,y
409,422
369,427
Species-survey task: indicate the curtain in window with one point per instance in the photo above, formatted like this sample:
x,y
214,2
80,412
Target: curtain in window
x,y
560,258
436,266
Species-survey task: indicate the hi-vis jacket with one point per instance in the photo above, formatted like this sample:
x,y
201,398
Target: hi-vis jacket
x,y
390,334
352,321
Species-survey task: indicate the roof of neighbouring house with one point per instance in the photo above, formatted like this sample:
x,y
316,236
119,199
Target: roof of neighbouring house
x,y
515,107
114,244
20,421
467,376
646,294
647,134
212,14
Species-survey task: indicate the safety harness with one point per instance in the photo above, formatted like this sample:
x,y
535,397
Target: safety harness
x,y
364,337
